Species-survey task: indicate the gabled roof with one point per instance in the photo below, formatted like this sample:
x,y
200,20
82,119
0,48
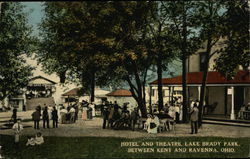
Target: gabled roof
x,y
120,93
242,77
41,77
72,92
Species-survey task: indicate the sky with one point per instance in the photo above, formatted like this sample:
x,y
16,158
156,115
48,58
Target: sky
x,y
36,14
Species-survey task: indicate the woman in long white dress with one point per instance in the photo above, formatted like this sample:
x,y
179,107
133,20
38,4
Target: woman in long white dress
x,y
152,124
172,112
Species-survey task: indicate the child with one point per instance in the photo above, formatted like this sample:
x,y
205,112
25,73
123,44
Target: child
x,y
31,141
39,139
17,127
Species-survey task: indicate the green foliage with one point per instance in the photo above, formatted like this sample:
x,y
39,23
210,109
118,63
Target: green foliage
x,y
181,17
235,29
15,40
75,39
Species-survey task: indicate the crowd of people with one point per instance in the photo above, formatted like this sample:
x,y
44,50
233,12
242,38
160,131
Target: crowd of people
x,y
47,114
114,116
88,110
69,115
117,117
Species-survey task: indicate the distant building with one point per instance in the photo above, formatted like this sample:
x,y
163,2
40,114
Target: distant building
x,y
73,96
122,96
39,91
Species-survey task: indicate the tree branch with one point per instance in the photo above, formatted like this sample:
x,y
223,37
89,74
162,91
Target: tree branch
x,y
215,52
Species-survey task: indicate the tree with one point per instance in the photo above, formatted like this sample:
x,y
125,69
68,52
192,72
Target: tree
x,y
212,16
181,18
15,41
76,36
132,54
162,44
236,33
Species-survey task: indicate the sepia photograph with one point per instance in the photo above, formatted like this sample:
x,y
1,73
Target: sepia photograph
x,y
124,79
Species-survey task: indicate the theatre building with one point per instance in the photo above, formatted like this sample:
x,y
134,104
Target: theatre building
x,y
39,91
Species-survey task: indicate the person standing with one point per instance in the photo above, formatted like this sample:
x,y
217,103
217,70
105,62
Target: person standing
x,y
45,117
134,117
54,117
116,114
76,112
14,115
194,119
17,127
105,117
39,108
63,113
36,118
72,114
90,116
92,106
84,113
110,117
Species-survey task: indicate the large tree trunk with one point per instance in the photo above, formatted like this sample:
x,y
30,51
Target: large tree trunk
x,y
138,98
138,94
184,67
92,89
204,81
184,90
159,76
205,72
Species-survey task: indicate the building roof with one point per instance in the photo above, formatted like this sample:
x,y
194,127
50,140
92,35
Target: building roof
x,y
195,78
120,93
72,92
41,77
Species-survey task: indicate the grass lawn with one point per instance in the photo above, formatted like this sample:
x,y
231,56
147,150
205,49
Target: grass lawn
x,y
106,147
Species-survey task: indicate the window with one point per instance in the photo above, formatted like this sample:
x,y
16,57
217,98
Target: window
x,y
177,92
152,92
164,93
202,61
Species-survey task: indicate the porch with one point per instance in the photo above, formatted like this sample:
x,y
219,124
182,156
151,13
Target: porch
x,y
223,97
225,120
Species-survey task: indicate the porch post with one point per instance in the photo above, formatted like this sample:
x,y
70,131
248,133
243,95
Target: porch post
x,y
199,93
225,99
169,95
150,94
172,96
232,116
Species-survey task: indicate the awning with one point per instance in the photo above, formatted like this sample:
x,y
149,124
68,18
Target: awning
x,y
242,78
